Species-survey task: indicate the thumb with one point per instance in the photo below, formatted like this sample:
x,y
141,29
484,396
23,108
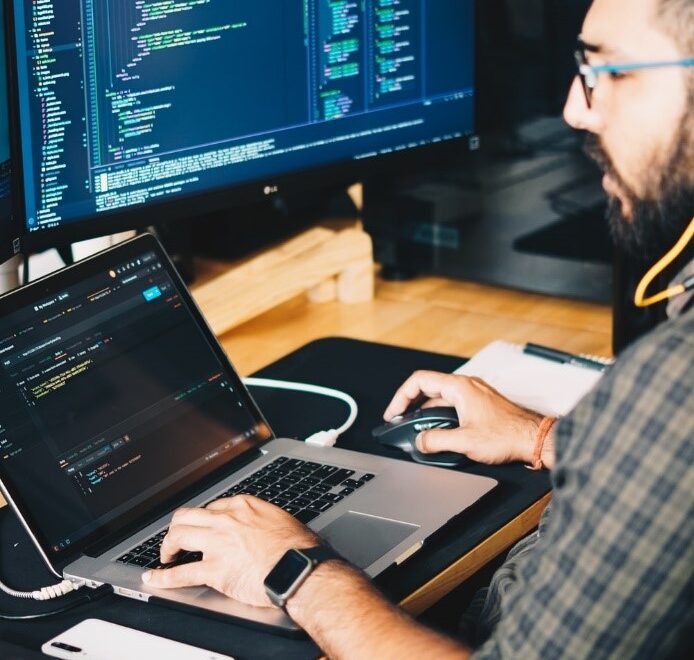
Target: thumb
x,y
435,441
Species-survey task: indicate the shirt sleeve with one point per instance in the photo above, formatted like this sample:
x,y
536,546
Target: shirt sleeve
x,y
611,574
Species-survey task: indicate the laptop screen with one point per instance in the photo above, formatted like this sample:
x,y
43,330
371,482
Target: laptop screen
x,y
113,397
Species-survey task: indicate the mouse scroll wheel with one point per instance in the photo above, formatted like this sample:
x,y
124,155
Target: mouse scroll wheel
x,y
427,426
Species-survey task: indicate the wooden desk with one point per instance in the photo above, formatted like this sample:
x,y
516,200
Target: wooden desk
x,y
432,314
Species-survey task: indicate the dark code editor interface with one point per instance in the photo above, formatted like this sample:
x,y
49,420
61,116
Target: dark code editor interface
x,y
129,102
110,395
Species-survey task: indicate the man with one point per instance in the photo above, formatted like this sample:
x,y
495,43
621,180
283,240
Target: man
x,y
609,573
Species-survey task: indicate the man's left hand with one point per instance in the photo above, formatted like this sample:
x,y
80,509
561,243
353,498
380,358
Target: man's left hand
x,y
240,538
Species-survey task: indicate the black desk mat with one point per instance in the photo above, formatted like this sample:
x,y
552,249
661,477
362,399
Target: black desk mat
x,y
370,373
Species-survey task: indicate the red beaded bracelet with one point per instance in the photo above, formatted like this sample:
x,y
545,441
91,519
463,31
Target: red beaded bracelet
x,y
542,433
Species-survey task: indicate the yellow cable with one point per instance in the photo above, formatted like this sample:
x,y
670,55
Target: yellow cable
x,y
639,297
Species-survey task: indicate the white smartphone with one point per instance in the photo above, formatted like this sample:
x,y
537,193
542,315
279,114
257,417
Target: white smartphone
x,y
95,639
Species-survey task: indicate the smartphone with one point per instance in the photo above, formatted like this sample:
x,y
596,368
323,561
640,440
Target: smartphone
x,y
95,639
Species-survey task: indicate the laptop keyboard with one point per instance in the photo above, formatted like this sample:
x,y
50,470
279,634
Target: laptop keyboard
x,y
303,488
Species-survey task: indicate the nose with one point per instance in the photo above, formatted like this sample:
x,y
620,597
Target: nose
x,y
577,113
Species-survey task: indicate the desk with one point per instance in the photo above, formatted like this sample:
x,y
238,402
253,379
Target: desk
x,y
370,372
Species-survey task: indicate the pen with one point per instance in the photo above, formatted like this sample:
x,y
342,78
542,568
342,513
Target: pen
x,y
562,357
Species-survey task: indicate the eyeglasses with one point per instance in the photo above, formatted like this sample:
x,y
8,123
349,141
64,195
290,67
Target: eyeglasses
x,y
589,74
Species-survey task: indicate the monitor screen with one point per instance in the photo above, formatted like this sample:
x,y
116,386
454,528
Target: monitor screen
x,y
9,241
126,104
99,404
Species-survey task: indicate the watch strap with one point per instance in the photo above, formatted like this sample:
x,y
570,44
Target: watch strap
x,y
321,553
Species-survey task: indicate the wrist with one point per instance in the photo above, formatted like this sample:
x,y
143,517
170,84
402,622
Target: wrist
x,y
326,580
543,450
530,429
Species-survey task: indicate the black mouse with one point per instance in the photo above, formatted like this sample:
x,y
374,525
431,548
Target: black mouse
x,y
402,431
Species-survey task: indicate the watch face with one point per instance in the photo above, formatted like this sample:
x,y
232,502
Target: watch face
x,y
288,570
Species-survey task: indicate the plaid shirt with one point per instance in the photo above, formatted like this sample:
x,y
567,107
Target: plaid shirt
x,y
609,573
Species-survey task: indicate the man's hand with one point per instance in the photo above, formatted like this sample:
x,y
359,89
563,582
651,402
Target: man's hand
x,y
241,539
493,430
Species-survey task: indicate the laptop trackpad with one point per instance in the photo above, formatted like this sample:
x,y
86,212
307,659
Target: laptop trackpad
x,y
362,539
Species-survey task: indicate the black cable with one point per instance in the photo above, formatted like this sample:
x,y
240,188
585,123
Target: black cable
x,y
90,597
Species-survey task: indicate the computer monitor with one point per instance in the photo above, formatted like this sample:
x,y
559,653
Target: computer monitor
x,y
138,111
9,230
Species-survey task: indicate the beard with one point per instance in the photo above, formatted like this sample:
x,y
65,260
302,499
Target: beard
x,y
656,223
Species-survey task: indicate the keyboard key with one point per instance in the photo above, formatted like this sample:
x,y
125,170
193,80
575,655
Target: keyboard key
x,y
322,487
306,516
346,491
310,481
294,463
367,477
126,558
301,502
332,497
280,501
279,461
289,508
324,472
311,466
338,477
140,561
320,506
351,483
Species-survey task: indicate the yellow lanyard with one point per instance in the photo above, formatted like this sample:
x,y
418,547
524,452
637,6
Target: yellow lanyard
x,y
640,300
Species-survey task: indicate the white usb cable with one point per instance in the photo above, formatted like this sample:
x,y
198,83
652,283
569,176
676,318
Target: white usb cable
x,y
321,438
46,593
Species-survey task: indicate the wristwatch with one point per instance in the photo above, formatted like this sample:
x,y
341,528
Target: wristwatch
x,y
290,572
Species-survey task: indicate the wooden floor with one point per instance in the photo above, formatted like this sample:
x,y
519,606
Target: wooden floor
x,y
432,314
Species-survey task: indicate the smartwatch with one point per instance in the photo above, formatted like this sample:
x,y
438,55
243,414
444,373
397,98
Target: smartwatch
x,y
290,572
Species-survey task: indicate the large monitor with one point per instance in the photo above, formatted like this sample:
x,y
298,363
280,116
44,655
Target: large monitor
x,y
135,111
9,231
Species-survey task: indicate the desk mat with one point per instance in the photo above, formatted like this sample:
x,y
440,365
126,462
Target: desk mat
x,y
370,373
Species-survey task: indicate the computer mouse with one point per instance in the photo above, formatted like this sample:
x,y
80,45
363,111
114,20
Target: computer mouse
x,y
402,431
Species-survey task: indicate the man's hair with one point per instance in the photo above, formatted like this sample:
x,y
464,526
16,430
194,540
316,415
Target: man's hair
x,y
677,20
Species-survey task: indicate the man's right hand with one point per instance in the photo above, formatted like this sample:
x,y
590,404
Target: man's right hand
x,y
492,430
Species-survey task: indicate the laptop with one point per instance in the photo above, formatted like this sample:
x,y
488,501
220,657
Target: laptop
x,y
118,406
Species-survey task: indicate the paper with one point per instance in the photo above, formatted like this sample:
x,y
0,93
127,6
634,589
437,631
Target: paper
x,y
547,387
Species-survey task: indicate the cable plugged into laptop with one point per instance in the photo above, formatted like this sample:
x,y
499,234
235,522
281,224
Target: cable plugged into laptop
x,y
90,596
321,438
45,593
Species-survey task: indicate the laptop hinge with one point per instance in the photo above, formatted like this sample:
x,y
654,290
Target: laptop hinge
x,y
109,541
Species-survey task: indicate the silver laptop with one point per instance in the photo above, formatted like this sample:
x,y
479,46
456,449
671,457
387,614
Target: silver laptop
x,y
118,405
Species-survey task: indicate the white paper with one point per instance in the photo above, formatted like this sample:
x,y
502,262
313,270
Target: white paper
x,y
547,387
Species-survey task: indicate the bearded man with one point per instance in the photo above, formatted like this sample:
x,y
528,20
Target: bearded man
x,y
609,572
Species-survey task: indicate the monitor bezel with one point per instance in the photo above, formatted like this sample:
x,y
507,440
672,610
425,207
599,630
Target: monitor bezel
x,y
228,198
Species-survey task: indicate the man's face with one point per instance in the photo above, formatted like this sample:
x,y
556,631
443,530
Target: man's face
x,y
641,126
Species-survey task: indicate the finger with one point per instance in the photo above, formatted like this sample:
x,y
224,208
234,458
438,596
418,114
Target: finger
x,y
433,442
429,383
184,537
435,403
189,575
239,502
195,517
